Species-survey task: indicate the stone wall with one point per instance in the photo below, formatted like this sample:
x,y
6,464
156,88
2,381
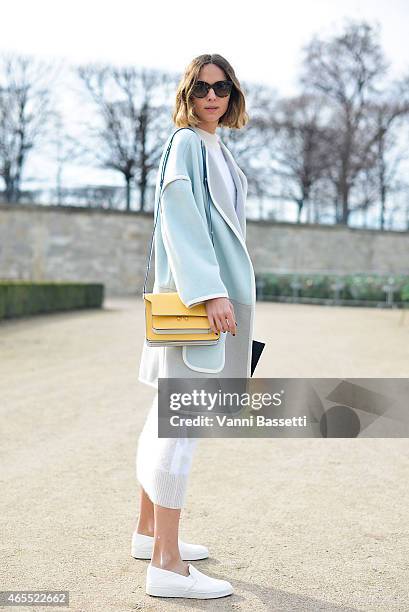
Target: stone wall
x,y
83,244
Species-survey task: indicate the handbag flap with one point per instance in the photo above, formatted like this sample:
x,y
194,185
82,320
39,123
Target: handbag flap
x,y
179,322
170,304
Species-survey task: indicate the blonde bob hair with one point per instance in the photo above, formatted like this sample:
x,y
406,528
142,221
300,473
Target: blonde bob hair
x,y
184,115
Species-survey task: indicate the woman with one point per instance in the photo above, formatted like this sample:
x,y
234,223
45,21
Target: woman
x,y
220,275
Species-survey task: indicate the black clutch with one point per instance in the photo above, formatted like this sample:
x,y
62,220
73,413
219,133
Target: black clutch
x,y
256,350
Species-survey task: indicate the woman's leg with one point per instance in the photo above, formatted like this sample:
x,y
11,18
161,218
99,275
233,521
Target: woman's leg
x,y
163,466
166,552
146,518
163,524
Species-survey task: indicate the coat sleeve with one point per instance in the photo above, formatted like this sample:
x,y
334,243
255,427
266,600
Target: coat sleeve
x,y
185,232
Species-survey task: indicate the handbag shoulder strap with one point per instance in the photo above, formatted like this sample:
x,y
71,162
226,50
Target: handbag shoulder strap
x,y
165,159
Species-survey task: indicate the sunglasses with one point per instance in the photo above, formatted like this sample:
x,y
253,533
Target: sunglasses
x,y
220,88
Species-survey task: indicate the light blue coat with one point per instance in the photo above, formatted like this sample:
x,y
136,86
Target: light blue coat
x,y
187,262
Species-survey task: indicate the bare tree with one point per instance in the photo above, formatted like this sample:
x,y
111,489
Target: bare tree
x,y
300,148
25,114
62,147
347,70
389,114
133,119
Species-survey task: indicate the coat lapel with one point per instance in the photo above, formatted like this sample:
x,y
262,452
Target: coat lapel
x,y
220,196
241,186
218,189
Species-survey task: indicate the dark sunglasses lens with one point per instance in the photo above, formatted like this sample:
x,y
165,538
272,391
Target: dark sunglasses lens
x,y
199,90
222,88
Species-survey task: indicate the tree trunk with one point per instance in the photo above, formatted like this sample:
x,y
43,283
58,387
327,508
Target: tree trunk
x,y
128,192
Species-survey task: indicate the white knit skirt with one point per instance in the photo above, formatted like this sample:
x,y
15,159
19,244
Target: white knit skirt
x,y
163,464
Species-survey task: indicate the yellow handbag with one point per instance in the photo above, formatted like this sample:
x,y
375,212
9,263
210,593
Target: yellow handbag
x,y
168,321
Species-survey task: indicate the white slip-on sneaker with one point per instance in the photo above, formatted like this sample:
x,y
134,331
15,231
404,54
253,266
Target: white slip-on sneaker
x,y
164,583
142,548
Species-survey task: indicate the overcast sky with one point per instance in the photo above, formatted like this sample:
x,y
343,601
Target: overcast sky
x,y
261,46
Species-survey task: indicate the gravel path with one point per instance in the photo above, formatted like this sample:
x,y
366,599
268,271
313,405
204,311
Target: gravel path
x,y
295,525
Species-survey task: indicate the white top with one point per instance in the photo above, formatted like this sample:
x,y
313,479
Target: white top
x,y
215,150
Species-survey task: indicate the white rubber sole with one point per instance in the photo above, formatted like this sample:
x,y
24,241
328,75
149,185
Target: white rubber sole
x,y
141,555
157,591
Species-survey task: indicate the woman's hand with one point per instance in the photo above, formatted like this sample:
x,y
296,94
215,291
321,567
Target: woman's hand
x,y
221,315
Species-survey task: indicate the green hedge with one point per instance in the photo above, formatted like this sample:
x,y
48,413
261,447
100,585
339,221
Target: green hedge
x,y
24,298
357,287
